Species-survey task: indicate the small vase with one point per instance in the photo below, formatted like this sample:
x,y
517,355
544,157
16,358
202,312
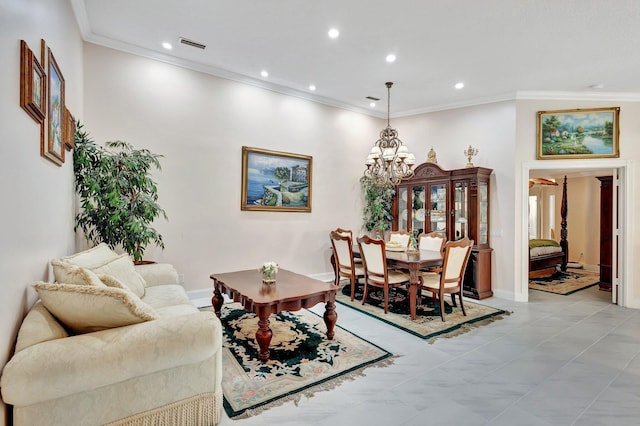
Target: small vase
x,y
268,277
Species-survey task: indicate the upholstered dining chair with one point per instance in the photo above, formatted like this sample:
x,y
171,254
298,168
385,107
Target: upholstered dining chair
x,y
432,241
345,265
449,279
376,273
400,236
342,231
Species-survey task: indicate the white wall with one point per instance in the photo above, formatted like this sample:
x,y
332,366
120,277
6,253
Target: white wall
x,y
37,202
491,129
199,123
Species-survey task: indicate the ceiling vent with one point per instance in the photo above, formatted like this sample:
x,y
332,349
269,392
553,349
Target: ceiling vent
x,y
192,43
371,98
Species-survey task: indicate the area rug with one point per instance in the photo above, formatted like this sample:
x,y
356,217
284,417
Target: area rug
x,y
302,360
565,283
428,324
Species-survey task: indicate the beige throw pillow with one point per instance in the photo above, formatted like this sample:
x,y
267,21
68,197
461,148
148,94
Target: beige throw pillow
x,y
92,257
122,269
68,273
84,309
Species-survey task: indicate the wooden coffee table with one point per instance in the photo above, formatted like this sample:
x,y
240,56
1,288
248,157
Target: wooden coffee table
x,y
291,292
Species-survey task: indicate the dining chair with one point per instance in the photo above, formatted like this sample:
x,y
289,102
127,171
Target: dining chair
x,y
343,255
376,273
432,241
401,236
342,231
449,279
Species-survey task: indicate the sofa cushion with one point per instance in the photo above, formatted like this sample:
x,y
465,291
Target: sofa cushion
x,y
68,273
92,257
122,269
39,326
84,309
166,295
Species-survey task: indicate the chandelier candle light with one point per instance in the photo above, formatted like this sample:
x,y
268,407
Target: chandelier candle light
x,y
470,153
389,161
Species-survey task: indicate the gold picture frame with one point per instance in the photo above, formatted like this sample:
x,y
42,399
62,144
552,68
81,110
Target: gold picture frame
x,y
578,134
33,83
53,149
276,181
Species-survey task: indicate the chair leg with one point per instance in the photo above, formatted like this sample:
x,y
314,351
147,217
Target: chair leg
x,y
461,303
353,288
441,296
386,298
366,292
453,300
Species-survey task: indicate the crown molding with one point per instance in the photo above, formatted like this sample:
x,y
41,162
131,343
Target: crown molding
x,y
579,96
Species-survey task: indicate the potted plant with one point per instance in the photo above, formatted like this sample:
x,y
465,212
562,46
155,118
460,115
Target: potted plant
x,y
378,200
118,197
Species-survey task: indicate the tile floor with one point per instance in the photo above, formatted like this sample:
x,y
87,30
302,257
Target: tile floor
x,y
557,360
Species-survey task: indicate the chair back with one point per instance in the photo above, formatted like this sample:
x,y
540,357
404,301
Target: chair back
x,y
456,257
401,237
432,241
342,251
374,258
346,232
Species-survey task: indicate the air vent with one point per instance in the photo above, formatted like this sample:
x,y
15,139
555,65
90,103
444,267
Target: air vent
x,y
371,98
192,43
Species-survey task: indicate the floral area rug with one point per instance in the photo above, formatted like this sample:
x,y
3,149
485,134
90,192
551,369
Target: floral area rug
x,y
302,360
565,283
428,324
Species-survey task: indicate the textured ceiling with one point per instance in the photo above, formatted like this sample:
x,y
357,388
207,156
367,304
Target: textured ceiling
x,y
500,49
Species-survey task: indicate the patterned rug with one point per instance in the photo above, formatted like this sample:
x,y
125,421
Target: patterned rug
x,y
302,361
428,324
565,283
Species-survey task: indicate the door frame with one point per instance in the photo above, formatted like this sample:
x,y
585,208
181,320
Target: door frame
x,y
623,169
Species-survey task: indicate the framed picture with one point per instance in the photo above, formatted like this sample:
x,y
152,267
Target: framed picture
x,y
69,130
578,133
275,181
32,84
55,111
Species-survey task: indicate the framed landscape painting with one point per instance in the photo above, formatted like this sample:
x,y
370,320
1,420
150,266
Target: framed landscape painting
x,y
56,106
275,181
32,84
578,133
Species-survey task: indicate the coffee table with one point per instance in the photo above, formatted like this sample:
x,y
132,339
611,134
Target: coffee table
x,y
291,292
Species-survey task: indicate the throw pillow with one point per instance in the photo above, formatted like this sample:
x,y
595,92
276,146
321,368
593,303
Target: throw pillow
x,y
111,281
122,269
92,257
69,273
84,309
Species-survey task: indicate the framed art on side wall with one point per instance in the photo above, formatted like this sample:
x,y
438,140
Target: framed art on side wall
x,y
56,124
275,181
32,84
578,133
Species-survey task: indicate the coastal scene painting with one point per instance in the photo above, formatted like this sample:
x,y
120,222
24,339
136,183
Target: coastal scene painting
x,y
275,181
578,133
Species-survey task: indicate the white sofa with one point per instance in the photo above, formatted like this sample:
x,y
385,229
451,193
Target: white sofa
x,y
93,352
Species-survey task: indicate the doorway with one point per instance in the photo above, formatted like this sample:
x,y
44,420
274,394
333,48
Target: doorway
x,y
621,170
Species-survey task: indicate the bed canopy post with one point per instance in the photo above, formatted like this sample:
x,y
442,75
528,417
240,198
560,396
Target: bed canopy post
x,y
564,244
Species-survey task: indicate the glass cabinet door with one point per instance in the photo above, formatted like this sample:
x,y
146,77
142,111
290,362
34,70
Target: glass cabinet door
x,y
460,211
418,209
403,214
438,208
483,198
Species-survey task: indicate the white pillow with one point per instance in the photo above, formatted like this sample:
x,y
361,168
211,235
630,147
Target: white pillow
x,y
123,270
92,257
69,273
84,309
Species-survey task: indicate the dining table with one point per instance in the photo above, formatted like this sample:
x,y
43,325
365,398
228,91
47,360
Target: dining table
x,y
413,261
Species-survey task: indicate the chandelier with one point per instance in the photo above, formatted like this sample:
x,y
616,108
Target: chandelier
x,y
389,161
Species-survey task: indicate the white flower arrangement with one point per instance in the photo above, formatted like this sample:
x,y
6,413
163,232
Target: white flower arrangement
x,y
269,267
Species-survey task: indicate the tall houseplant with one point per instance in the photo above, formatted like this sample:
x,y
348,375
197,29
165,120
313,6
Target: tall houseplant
x,y
118,197
378,200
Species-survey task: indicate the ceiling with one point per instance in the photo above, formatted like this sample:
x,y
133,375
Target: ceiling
x,y
499,49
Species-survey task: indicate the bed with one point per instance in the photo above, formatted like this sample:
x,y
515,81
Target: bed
x,y
546,255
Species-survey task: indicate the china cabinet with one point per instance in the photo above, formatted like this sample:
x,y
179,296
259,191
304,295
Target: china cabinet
x,y
456,203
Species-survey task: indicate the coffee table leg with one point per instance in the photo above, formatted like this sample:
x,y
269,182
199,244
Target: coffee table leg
x,y
330,318
217,300
263,337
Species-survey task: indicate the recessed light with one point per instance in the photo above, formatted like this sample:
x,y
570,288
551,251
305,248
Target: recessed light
x,y
312,87
372,104
459,85
334,33
391,58
264,73
167,46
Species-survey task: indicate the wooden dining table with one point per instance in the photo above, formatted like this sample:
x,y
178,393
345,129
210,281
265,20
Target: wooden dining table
x,y
413,262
